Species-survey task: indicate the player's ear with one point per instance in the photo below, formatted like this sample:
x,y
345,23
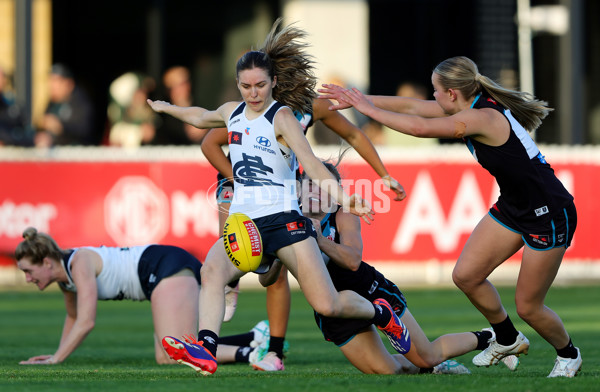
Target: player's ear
x,y
452,94
274,82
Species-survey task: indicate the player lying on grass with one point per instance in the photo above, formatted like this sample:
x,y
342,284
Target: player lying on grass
x,y
168,276
340,240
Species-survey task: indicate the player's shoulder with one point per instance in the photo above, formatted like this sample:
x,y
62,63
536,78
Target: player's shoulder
x,y
284,114
227,108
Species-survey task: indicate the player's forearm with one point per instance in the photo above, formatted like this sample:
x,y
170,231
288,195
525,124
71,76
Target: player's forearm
x,y
72,340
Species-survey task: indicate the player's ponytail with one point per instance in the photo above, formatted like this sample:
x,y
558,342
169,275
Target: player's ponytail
x,y
461,73
296,81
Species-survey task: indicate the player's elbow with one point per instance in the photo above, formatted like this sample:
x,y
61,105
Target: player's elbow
x,y
419,131
354,262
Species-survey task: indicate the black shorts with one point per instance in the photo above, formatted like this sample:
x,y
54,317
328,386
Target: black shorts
x,y
280,230
340,331
161,261
555,233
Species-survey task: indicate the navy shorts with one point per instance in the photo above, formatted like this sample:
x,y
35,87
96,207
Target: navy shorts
x,y
555,233
161,261
341,330
280,230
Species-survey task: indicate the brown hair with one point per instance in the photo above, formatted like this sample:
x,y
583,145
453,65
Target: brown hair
x,y
37,246
461,73
283,54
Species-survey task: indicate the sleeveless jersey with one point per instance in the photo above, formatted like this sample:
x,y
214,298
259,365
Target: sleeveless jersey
x,y
264,171
530,193
119,277
305,120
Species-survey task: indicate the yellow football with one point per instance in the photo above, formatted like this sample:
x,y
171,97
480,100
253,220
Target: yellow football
x,y
243,243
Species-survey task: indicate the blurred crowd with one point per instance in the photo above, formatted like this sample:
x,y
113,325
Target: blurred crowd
x,y
69,117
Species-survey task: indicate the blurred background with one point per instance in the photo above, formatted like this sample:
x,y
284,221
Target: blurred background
x,y
551,48
77,73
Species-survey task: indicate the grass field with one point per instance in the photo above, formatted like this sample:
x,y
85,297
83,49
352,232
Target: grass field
x,y
118,355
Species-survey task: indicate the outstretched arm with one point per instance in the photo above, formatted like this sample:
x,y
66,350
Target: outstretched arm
x,y
195,115
464,123
212,148
406,105
358,140
289,129
81,310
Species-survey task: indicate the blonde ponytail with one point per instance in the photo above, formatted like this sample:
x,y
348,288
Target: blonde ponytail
x,y
461,73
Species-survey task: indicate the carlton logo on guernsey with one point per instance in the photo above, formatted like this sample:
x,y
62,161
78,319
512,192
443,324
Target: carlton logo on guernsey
x,y
264,171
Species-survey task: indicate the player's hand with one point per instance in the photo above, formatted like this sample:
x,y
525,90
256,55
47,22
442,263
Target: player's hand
x,y
395,186
354,97
334,92
39,360
360,207
158,106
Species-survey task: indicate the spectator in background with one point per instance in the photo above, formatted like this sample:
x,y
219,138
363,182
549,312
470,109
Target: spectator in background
x,y
170,130
412,90
374,131
408,89
13,130
131,120
69,117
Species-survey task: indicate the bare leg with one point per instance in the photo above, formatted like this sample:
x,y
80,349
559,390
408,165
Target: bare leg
x,y
226,353
369,355
489,245
538,270
303,259
426,354
174,310
278,304
216,272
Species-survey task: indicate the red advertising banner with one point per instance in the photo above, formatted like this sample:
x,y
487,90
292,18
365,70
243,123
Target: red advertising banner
x,y
173,202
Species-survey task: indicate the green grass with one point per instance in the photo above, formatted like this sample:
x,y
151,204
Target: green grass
x,y
119,355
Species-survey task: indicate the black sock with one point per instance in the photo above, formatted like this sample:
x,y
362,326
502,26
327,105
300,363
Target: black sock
x,y
382,316
569,351
276,345
425,370
242,354
243,339
482,339
233,284
506,333
209,340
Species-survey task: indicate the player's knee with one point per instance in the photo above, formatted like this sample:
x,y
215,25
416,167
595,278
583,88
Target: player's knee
x,y
465,280
460,280
327,309
212,273
527,310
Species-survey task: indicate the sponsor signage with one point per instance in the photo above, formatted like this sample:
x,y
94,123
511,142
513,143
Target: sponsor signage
x,y
131,203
